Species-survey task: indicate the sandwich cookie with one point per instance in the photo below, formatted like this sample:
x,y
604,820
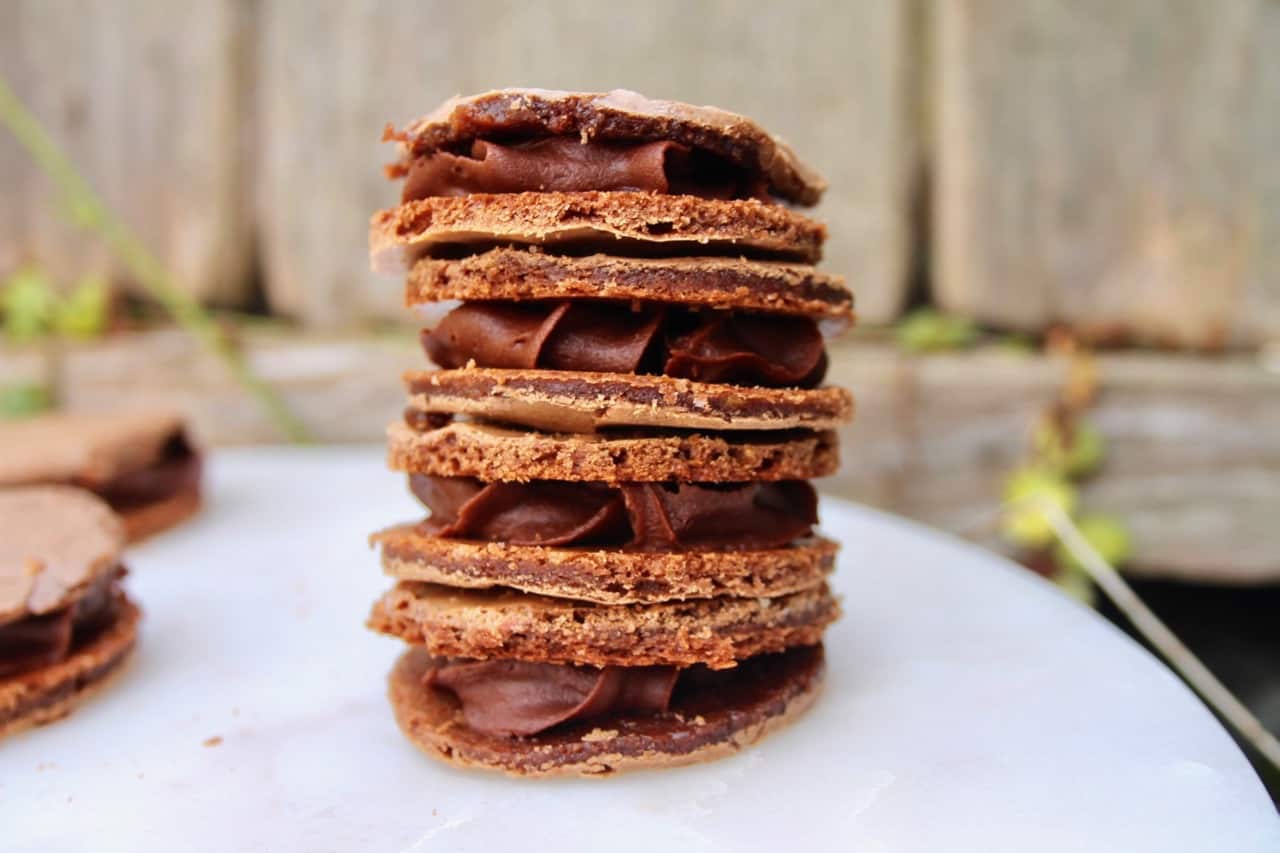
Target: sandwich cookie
x,y
617,121
582,172
613,543
143,464
696,716
66,627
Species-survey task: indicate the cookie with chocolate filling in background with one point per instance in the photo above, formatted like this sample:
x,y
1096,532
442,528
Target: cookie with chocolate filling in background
x,y
143,464
620,566
66,626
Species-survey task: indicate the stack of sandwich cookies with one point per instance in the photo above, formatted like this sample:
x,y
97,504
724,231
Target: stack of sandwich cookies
x,y
66,626
620,566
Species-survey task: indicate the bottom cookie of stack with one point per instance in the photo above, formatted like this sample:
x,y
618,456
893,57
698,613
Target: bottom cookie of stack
x,y
535,685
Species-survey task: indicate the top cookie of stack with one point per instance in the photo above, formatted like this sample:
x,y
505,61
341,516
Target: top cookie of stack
x,y
615,451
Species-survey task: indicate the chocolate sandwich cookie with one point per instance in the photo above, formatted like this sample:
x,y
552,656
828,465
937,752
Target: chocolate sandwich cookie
x,y
143,464
66,626
726,283
601,721
508,625
452,448
621,223
562,401
641,142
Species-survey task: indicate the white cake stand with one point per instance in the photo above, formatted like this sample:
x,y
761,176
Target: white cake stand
x,y
969,707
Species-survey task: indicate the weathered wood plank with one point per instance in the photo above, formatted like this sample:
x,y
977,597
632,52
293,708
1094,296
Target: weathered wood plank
x,y
145,98
1194,444
1110,166
836,80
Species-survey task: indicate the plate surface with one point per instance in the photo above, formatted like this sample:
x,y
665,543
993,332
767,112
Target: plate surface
x,y
969,706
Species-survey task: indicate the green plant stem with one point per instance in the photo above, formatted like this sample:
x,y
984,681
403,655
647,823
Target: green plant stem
x,y
91,214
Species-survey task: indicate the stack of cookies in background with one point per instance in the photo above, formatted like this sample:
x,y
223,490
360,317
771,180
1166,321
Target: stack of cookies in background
x,y
620,566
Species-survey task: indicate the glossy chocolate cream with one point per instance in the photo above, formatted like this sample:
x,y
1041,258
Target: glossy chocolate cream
x,y
567,164
639,516
706,346
46,639
510,697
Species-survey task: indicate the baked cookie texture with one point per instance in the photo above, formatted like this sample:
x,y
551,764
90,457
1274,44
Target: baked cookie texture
x,y
656,579
506,453
627,223
727,283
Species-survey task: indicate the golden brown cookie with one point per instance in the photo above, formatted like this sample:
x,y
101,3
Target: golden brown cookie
x,y
728,283
621,223
605,575
617,116
506,624
765,694
495,453
559,401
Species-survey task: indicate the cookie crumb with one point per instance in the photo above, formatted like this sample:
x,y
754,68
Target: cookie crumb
x,y
216,740
599,734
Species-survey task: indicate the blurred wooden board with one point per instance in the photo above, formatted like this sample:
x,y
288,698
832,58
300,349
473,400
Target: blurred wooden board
x,y
1111,166
836,80
1193,443
146,98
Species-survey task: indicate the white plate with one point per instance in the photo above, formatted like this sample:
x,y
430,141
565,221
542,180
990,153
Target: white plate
x,y
968,707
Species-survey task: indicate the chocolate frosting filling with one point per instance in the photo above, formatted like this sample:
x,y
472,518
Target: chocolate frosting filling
x,y
510,697
640,516
177,469
567,164
707,346
45,639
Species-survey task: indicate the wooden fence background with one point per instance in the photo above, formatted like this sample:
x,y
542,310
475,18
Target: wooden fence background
x,y
1106,165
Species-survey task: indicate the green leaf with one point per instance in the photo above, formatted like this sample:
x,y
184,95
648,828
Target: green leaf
x,y
1106,534
27,301
1027,490
926,330
1075,452
83,314
20,401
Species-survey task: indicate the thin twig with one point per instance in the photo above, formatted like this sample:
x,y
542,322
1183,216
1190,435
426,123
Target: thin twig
x,y
92,214
1174,651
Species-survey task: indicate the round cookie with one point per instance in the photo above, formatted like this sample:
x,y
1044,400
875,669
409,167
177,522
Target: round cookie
x,y
626,222
617,116
65,626
493,453
502,623
560,401
605,575
728,283
766,694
